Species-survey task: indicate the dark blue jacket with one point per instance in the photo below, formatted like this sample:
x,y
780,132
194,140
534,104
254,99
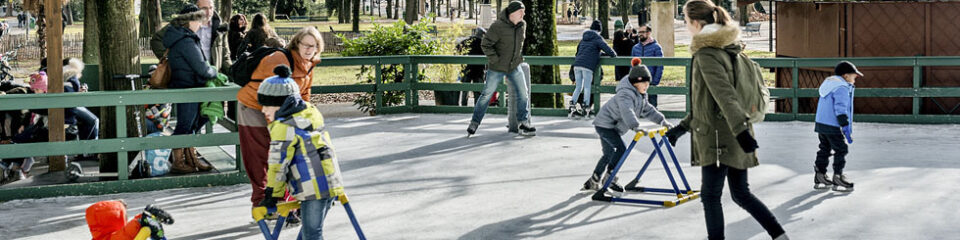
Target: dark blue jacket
x,y
650,50
188,66
588,51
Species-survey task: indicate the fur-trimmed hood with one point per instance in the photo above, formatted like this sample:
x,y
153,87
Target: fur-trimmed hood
x,y
74,68
715,35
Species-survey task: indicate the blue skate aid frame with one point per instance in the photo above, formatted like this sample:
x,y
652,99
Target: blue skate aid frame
x,y
260,213
682,196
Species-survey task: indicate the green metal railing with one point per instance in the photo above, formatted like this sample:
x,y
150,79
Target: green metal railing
x,y
122,144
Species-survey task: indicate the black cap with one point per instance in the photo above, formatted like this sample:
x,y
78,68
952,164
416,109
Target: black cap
x,y
845,67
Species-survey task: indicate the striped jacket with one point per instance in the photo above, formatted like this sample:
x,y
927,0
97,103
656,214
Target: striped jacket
x,y
302,157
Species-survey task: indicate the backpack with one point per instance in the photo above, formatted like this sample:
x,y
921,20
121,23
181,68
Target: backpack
x,y
247,62
748,81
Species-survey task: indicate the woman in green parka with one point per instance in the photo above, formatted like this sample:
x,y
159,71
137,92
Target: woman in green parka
x,y
723,142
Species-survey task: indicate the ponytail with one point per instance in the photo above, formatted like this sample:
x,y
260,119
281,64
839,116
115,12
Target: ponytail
x,y
720,15
706,12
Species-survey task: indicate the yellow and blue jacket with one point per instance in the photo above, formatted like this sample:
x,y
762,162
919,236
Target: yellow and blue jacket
x,y
301,155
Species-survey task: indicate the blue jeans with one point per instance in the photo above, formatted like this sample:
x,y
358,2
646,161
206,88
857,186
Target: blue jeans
x,y
87,122
493,80
189,120
312,213
613,150
713,178
584,81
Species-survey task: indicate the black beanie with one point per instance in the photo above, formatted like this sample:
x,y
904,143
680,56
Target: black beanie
x,y
514,6
596,25
638,72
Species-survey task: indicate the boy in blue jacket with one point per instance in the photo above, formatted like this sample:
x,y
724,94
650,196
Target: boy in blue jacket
x,y
834,126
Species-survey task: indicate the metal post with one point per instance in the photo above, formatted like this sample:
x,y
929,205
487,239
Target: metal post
x,y
796,86
376,84
917,75
121,112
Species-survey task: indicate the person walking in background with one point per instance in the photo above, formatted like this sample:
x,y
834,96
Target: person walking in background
x,y
585,64
503,46
723,143
648,47
623,41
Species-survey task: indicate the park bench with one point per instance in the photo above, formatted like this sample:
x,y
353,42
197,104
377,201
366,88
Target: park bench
x,y
300,18
753,27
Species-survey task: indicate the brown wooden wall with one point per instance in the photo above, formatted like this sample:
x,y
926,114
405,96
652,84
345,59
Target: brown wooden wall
x,y
872,29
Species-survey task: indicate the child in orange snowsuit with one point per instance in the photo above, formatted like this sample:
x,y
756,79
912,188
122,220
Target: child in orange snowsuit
x,y
107,221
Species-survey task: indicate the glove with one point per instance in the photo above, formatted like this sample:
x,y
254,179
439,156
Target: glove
x,y
160,214
675,133
268,200
843,120
747,143
666,124
149,221
848,133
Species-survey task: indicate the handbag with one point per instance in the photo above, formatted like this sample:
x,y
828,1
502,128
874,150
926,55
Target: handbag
x,y
161,76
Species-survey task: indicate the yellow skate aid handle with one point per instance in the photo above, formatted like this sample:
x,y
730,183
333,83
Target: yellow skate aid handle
x,y
259,213
343,199
143,234
651,133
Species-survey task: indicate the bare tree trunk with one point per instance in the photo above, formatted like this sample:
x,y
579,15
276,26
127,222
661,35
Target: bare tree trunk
x,y
226,9
603,14
473,3
389,6
149,17
348,4
744,13
42,30
91,36
624,7
119,55
396,10
9,8
356,15
541,40
272,12
410,15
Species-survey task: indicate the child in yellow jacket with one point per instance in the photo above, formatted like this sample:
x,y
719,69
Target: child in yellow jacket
x,y
301,157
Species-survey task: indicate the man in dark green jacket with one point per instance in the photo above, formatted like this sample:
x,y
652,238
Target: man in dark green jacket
x,y
503,45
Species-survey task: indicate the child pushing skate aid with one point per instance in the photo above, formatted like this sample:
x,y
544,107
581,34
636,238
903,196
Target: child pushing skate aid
x,y
301,160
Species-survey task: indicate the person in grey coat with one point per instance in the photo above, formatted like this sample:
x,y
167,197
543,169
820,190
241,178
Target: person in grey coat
x,y
616,117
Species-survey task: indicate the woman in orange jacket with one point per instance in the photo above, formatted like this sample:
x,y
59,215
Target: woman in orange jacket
x,y
304,48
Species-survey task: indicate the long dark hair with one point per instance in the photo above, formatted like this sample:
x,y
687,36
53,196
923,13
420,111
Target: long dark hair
x,y
707,12
235,23
260,22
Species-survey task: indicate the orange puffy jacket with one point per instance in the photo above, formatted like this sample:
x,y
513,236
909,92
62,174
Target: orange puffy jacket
x,y
106,220
248,94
